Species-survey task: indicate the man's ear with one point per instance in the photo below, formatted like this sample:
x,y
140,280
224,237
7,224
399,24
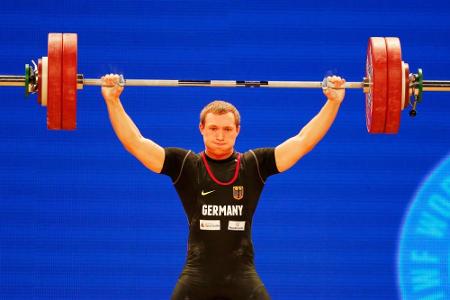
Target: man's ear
x,y
238,129
201,127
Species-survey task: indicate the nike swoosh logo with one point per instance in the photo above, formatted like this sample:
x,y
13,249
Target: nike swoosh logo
x,y
206,193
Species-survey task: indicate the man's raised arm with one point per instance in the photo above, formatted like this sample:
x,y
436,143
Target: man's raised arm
x,y
146,151
290,151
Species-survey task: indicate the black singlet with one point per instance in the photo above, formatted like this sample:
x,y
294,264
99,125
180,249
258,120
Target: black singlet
x,y
219,198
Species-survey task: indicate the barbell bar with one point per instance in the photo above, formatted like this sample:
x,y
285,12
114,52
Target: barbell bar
x,y
388,85
19,81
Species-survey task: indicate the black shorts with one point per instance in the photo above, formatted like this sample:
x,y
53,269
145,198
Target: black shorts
x,y
239,289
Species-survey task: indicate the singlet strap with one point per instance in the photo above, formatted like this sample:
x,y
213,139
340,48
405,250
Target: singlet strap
x,y
210,173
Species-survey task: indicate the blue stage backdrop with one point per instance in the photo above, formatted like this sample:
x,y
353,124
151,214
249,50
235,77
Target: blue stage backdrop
x,y
80,218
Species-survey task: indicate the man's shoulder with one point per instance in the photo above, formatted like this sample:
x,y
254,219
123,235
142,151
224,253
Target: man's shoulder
x,y
176,159
180,152
258,152
263,159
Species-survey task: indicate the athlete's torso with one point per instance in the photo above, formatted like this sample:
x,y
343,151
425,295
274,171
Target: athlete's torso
x,y
219,203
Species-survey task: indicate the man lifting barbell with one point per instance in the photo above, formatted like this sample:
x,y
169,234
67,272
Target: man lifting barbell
x,y
219,189
388,84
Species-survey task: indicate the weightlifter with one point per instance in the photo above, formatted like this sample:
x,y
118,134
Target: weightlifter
x,y
219,189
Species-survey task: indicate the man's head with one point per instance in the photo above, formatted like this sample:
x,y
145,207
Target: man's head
x,y
219,126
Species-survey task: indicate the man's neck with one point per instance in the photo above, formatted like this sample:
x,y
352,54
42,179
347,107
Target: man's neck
x,y
219,157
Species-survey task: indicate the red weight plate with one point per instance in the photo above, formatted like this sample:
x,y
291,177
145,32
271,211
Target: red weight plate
x,y
39,81
69,81
54,80
376,72
407,95
395,85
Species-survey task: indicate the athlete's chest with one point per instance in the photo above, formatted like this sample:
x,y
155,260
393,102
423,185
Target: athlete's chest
x,y
222,184
222,189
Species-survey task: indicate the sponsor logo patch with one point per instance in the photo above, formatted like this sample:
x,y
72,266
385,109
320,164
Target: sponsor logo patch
x,y
236,225
209,224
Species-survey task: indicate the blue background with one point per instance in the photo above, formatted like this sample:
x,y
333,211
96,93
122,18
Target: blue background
x,y
80,218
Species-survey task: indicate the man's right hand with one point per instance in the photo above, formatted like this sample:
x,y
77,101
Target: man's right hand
x,y
111,89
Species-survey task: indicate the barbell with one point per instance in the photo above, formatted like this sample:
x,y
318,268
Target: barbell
x,y
389,86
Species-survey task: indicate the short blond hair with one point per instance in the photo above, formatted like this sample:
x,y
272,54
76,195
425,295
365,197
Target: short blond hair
x,y
220,107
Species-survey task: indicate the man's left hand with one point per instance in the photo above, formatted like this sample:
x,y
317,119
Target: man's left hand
x,y
338,92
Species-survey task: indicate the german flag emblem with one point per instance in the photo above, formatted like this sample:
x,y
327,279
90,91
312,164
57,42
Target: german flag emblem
x,y
238,192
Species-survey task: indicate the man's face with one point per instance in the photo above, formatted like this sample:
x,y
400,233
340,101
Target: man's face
x,y
219,134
